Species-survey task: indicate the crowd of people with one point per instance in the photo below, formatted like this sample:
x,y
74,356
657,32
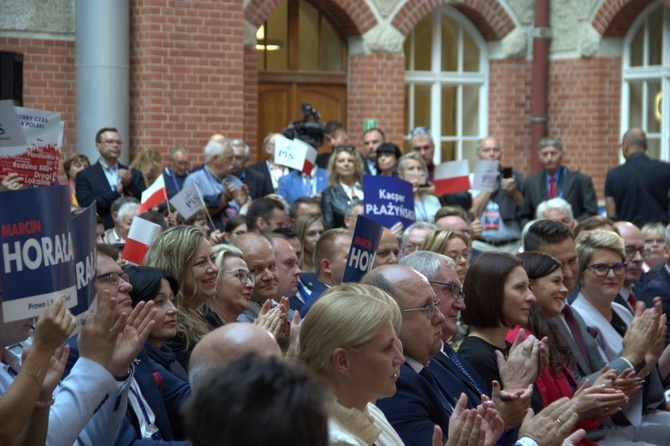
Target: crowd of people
x,y
513,317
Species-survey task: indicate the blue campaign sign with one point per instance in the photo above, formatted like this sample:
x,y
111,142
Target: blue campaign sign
x,y
363,249
83,242
388,200
37,257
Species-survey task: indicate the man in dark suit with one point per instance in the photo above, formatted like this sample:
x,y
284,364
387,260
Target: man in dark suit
x,y
659,286
372,139
258,184
638,190
330,258
271,171
107,180
557,181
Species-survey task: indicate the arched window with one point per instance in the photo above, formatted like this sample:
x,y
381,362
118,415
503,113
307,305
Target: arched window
x,y
446,77
646,79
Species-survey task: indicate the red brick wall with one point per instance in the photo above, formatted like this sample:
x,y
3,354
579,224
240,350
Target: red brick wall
x,y
376,90
251,136
509,109
48,79
187,73
584,110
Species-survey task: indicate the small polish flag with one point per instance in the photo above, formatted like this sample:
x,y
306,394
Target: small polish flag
x,y
310,159
451,177
154,194
142,233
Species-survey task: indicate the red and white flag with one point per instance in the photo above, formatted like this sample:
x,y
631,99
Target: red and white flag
x,y
451,177
295,154
142,233
188,201
154,194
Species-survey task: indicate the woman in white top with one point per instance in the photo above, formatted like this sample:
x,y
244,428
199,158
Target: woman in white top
x,y
350,337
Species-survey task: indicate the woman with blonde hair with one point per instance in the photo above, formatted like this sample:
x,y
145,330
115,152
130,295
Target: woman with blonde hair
x,y
309,228
655,242
349,337
345,178
150,162
412,168
234,286
453,244
184,252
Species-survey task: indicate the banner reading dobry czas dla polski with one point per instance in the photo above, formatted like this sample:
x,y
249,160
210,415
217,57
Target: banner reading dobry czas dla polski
x,y
37,260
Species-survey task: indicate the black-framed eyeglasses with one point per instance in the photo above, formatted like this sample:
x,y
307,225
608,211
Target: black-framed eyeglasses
x,y
630,253
429,309
603,269
455,290
243,276
113,277
345,148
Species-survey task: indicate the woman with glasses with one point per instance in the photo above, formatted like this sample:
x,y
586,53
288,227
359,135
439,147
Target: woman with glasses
x,y
498,297
345,177
184,252
160,287
234,286
453,244
386,162
557,381
349,338
412,168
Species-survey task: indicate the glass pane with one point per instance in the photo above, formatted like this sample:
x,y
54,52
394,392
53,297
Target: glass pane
x,y
470,111
331,48
308,32
470,153
449,110
276,55
448,151
423,44
635,105
637,48
655,30
449,43
422,105
408,54
470,53
653,107
654,148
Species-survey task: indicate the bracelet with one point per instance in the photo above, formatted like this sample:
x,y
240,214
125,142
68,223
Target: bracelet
x,y
45,404
37,376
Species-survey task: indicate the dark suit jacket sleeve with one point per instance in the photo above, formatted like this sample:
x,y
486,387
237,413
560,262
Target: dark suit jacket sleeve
x,y
531,198
328,199
136,186
659,286
92,186
411,412
588,198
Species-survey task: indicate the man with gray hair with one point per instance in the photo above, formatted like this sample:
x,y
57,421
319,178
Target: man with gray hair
x,y
122,221
258,184
223,193
559,210
175,174
557,181
413,235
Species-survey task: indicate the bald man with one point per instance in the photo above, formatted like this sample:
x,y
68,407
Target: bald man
x,y
227,343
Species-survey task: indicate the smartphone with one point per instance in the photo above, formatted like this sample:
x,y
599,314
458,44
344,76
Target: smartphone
x,y
507,172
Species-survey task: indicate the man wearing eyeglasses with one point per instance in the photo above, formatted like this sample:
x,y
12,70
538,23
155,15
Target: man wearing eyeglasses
x,y
635,253
107,180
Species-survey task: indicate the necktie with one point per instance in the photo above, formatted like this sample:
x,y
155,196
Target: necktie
x,y
632,300
573,325
428,375
451,354
552,187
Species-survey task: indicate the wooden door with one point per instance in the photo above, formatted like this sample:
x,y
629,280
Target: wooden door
x,y
279,104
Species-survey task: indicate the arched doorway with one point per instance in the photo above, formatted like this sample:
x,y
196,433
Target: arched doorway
x,y
302,57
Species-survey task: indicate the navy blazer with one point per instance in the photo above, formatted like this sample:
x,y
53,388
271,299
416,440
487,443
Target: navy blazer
x,y
165,400
659,286
92,185
415,409
258,184
317,290
474,397
291,186
577,190
262,168
334,202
